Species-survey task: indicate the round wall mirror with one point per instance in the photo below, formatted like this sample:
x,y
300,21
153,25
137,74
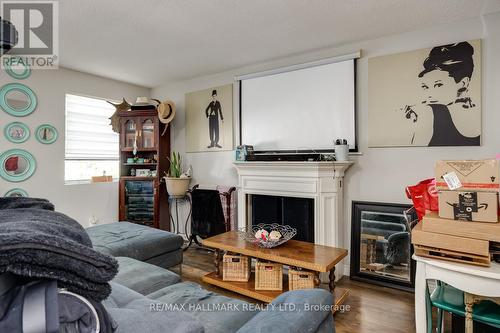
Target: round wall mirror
x,y
17,68
16,132
46,134
16,192
16,165
17,99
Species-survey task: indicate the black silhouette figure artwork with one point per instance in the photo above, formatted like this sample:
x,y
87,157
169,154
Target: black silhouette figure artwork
x,y
213,111
445,78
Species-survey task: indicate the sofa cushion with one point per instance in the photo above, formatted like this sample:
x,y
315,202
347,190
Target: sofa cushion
x,y
168,259
125,239
142,277
135,313
288,313
217,313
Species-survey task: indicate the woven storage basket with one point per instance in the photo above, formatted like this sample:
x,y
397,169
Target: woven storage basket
x,y
300,279
235,268
268,276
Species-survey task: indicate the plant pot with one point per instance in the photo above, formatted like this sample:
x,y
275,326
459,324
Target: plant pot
x,y
177,187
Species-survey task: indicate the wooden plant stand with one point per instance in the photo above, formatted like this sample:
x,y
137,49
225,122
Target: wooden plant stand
x,y
316,258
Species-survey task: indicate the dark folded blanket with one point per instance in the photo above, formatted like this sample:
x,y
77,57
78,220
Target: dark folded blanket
x,y
22,202
37,242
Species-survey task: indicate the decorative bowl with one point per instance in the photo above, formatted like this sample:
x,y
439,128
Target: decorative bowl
x,y
286,231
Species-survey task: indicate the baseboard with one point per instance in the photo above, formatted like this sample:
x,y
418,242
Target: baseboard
x,y
347,270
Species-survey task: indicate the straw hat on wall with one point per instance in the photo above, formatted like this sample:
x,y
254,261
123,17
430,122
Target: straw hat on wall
x,y
166,111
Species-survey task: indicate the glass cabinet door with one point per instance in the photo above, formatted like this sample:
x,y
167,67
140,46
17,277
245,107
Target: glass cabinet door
x,y
147,134
130,133
139,201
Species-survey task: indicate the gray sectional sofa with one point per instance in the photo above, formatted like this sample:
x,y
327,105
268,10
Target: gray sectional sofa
x,y
149,298
125,239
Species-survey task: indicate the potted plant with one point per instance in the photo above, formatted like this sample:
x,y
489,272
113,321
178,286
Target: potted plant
x,y
176,180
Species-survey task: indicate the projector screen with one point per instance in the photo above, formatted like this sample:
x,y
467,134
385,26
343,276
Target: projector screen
x,y
300,110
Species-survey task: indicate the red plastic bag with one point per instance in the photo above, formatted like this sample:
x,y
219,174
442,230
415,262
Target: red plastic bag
x,y
424,196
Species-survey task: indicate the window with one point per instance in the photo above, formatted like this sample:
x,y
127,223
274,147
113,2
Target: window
x,y
91,145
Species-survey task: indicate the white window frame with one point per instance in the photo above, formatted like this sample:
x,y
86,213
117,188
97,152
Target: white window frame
x,y
67,159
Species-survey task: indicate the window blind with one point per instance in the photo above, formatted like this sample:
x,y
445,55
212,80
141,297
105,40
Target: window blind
x,y
89,135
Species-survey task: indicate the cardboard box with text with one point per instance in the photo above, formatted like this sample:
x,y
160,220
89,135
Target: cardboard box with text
x,y
469,206
472,175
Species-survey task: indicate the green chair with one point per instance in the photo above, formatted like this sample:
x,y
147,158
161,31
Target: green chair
x,y
450,299
487,312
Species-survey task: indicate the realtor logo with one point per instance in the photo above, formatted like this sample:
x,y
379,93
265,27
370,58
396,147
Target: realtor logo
x,y
37,26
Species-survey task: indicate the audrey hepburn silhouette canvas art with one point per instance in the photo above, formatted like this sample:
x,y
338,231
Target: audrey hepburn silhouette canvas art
x,y
429,97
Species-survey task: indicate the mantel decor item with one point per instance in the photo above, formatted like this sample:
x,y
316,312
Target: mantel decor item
x,y
17,99
16,165
16,132
341,150
46,134
176,180
268,235
17,68
243,151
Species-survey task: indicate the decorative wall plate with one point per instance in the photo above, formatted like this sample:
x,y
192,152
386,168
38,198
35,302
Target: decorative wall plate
x,y
16,165
16,192
46,134
16,132
19,71
17,99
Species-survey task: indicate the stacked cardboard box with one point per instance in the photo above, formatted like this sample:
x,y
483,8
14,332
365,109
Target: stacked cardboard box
x,y
468,190
468,204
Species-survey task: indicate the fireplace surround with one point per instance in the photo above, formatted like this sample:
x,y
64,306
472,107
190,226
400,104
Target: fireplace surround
x,y
323,182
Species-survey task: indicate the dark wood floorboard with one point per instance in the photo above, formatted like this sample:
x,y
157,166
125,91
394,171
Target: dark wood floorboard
x,y
372,308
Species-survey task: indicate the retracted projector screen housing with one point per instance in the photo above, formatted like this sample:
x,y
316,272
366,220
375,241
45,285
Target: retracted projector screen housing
x,y
302,109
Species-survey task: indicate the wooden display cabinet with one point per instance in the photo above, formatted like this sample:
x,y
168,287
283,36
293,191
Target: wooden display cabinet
x,y
143,198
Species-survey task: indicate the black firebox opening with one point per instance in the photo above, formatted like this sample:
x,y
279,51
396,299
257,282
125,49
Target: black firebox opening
x,y
295,212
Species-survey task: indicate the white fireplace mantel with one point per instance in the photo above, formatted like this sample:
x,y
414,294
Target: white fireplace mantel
x,y
321,181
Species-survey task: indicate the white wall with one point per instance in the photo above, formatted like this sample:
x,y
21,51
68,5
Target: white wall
x,y
379,174
50,86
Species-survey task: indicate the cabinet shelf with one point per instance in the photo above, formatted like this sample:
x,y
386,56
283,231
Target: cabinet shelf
x,y
139,164
137,178
139,150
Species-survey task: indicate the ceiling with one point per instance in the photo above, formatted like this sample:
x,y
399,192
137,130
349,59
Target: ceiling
x,y
152,42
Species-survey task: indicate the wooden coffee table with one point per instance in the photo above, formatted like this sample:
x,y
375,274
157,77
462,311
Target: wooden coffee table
x,y
316,258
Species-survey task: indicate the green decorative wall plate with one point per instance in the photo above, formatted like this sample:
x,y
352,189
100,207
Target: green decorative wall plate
x,y
46,134
17,99
16,165
17,69
16,132
16,192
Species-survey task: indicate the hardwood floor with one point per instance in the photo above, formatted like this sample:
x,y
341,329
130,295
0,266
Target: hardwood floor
x,y
372,308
